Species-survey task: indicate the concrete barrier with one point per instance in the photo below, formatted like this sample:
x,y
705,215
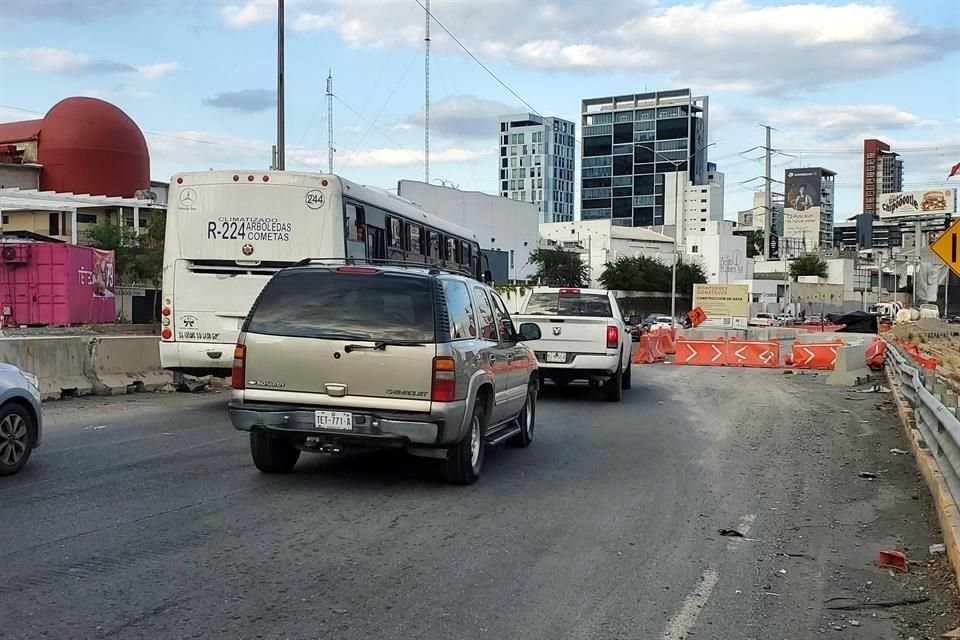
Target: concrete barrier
x,y
850,368
81,365
127,363
63,364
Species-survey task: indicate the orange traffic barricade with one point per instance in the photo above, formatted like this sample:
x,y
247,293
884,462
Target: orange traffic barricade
x,y
876,354
741,353
701,352
816,356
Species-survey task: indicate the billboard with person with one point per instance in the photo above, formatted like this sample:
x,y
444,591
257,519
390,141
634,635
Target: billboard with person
x,y
801,206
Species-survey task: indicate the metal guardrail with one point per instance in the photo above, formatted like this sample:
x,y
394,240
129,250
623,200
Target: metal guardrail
x,y
936,421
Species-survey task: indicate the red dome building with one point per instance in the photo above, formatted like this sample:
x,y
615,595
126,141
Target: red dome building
x,y
84,145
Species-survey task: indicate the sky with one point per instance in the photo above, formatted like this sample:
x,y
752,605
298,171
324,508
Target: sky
x,y
199,77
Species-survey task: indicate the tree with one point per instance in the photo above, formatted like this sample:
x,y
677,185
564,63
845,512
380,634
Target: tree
x,y
755,244
559,268
636,274
120,239
808,265
649,274
689,274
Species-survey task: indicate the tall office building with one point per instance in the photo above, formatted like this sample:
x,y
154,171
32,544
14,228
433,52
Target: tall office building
x,y
537,163
882,173
631,144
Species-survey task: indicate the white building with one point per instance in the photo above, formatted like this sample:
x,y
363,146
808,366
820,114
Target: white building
x,y
722,254
601,242
537,163
500,223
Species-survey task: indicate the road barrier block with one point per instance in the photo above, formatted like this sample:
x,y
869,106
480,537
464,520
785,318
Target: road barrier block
x,y
125,363
850,368
764,354
62,364
667,339
821,356
640,353
701,352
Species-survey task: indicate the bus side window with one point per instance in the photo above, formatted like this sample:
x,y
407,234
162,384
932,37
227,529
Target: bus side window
x,y
376,243
416,239
434,245
354,223
467,256
451,254
395,226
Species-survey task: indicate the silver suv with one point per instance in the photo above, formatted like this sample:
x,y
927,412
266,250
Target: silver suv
x,y
335,356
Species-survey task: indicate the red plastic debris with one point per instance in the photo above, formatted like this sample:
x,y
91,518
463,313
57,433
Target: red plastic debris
x,y
892,559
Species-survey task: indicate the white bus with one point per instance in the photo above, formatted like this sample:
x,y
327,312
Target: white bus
x,y
228,232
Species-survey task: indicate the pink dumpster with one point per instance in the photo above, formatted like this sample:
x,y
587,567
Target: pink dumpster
x,y
46,283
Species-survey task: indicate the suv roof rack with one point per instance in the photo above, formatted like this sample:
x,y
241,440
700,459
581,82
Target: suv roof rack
x,y
433,269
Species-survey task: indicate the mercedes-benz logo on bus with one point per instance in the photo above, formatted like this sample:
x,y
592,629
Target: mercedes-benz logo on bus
x,y
247,249
188,197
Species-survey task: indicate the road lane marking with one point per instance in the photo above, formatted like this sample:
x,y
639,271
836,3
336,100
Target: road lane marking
x,y
679,626
743,527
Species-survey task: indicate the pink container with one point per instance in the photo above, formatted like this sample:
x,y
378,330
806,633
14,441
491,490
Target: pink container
x,y
47,283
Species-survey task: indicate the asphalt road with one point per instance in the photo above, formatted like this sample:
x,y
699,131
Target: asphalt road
x,y
143,517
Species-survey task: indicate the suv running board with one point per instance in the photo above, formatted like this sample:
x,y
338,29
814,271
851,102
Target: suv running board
x,y
503,435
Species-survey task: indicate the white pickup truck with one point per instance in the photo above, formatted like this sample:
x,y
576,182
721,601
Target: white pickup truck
x,y
583,337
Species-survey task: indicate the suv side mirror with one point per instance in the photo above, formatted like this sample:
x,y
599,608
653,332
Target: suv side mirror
x,y
529,331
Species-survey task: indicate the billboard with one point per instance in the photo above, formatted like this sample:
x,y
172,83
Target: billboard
x,y
913,203
801,206
722,300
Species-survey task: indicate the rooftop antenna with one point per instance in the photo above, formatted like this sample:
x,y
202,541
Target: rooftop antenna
x,y
280,142
330,148
426,99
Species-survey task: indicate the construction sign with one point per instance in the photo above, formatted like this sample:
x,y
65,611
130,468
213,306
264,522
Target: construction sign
x,y
696,316
722,300
947,247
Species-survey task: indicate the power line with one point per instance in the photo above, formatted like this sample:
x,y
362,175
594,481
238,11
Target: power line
x,y
379,130
477,60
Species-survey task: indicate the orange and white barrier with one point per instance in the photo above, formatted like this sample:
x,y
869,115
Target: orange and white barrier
x,y
764,354
816,356
711,353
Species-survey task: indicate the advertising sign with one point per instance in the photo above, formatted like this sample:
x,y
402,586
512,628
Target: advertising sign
x,y
913,203
801,207
722,300
104,279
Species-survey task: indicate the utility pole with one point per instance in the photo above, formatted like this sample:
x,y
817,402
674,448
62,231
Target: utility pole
x,y
280,142
426,99
330,148
767,195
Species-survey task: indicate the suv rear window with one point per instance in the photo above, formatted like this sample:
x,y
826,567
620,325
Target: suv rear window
x,y
326,304
592,305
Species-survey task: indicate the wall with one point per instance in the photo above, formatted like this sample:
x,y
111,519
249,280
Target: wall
x,y
500,223
19,176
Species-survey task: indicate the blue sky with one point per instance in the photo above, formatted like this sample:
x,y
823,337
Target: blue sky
x,y
198,77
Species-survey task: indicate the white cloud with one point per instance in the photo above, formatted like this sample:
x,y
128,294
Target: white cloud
x,y
250,13
721,44
460,117
157,70
312,21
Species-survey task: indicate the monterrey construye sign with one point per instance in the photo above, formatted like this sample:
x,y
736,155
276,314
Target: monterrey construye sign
x,y
722,300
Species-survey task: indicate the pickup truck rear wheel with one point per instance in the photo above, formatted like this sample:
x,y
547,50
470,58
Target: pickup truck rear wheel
x,y
273,455
613,388
465,459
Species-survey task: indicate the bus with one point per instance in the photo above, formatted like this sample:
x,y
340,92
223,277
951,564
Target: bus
x,y
228,232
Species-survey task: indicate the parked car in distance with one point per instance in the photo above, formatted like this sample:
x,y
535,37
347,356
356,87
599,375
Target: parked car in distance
x,y
335,356
21,417
583,337
784,319
764,319
813,319
662,322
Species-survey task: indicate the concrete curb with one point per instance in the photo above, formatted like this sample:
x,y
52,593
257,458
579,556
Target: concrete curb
x,y
947,512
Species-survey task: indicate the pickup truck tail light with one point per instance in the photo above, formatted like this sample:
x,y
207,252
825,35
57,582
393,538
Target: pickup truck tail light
x,y
239,372
613,337
444,388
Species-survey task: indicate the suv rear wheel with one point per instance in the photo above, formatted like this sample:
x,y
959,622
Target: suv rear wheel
x,y
273,455
465,459
527,419
16,438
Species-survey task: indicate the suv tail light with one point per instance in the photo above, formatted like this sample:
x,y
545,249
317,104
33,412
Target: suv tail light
x,y
444,388
239,373
613,337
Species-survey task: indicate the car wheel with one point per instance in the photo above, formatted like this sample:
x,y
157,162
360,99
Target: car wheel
x,y
613,388
465,459
627,377
527,420
273,455
16,438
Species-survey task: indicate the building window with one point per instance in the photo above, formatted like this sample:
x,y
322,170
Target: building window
x,y
6,219
54,224
91,218
503,126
